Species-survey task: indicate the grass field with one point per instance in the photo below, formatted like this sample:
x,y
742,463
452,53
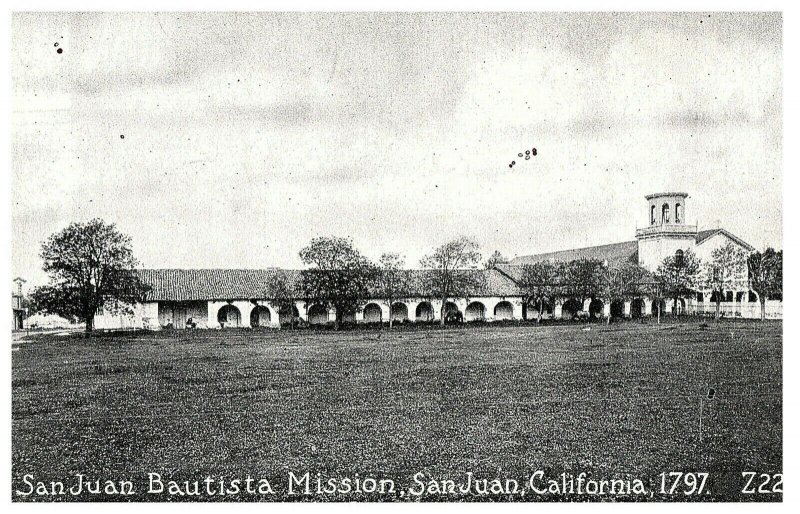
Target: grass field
x,y
618,402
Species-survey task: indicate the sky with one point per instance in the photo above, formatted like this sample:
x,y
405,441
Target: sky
x,y
230,140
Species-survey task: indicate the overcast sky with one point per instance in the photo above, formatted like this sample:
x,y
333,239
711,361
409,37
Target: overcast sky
x,y
245,135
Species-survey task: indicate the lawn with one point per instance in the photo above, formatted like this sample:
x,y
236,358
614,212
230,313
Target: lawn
x,y
617,402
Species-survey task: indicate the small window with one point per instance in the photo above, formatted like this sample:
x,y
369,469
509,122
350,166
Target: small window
x,y
665,213
652,214
679,258
678,215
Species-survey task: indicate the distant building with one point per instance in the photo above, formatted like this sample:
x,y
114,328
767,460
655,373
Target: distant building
x,y
18,311
214,298
668,233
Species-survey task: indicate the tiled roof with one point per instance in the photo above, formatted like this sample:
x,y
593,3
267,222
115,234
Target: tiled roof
x,y
616,252
705,234
211,284
246,284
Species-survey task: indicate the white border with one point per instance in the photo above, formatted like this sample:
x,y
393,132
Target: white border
x,y
790,215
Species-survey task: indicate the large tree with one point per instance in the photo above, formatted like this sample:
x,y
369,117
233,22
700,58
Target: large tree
x,y
392,281
583,279
678,276
90,266
282,295
452,271
339,276
624,281
540,281
726,270
765,271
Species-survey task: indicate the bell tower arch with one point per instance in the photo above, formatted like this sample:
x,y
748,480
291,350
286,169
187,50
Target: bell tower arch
x,y
667,230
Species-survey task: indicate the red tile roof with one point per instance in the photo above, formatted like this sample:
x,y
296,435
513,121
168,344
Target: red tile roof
x,y
615,252
247,284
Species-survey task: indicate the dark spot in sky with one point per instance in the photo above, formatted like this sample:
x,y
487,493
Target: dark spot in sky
x,y
711,393
60,50
55,44
122,136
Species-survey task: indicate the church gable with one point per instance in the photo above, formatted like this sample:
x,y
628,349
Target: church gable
x,y
708,240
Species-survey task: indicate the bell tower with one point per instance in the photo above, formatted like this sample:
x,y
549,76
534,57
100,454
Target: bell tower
x,y
666,231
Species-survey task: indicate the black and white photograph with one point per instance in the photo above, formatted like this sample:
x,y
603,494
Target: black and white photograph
x,y
380,256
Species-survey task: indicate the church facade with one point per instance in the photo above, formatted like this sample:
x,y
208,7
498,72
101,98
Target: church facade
x,y
221,298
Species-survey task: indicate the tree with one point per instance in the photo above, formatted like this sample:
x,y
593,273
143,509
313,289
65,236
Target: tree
x,y
339,276
392,280
625,281
495,259
583,278
725,271
453,271
678,276
765,271
282,295
540,281
90,266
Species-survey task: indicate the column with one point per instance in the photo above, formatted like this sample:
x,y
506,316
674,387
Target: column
x,y
213,307
627,310
517,312
245,308
302,310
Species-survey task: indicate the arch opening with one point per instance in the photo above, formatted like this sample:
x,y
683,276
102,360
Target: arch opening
x,y
617,309
399,311
596,308
655,304
260,317
229,316
571,308
451,313
475,311
372,313
317,314
504,311
424,312
637,308
285,315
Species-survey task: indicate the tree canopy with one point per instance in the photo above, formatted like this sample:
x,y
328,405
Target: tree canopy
x,y
726,270
90,266
678,275
765,272
392,281
453,270
339,276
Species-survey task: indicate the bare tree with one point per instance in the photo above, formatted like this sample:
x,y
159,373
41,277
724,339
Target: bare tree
x,y
625,281
540,281
453,271
678,276
727,270
765,271
495,259
392,280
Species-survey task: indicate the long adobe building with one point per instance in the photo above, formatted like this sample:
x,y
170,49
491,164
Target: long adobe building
x,y
225,298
